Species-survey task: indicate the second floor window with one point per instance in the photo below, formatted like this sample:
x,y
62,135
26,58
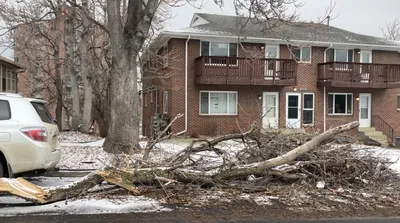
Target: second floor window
x,y
339,55
302,54
219,51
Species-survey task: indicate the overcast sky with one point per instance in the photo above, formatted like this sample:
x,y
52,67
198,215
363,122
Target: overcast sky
x,y
361,16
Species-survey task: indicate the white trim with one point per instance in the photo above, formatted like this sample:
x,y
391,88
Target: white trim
x,y
209,104
333,104
298,124
369,109
308,109
276,94
180,34
219,41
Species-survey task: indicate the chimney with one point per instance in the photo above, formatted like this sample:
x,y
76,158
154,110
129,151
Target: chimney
x,y
328,19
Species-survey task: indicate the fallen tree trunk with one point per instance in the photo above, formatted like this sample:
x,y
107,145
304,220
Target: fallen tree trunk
x,y
260,167
128,178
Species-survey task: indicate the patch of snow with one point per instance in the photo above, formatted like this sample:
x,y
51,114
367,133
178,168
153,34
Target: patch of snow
x,y
51,181
76,157
97,143
76,137
115,204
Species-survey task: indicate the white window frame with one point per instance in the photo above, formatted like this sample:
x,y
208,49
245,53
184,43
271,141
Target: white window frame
x,y
309,109
165,102
301,54
209,104
333,104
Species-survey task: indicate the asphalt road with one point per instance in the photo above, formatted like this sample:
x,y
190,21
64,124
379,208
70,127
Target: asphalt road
x,y
169,217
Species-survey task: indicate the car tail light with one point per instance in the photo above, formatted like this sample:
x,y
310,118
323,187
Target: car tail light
x,y
36,133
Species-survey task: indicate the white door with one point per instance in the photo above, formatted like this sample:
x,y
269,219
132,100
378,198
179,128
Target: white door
x,y
270,110
293,106
365,57
365,110
271,67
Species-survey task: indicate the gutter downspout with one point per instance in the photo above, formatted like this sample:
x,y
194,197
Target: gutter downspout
x,y
186,87
330,46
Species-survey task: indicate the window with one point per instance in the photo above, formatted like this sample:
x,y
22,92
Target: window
x,y
5,112
308,108
219,49
398,102
218,103
165,102
302,54
43,113
340,55
3,78
340,104
8,79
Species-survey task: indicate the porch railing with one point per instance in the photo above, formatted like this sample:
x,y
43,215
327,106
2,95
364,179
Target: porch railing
x,y
384,127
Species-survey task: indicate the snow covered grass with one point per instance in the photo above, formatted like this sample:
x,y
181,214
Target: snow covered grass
x,y
76,137
113,204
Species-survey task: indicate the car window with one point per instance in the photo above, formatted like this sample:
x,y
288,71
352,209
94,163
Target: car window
x,y
43,112
5,112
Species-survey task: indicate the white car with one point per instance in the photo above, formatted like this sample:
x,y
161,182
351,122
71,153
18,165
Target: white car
x,y
28,135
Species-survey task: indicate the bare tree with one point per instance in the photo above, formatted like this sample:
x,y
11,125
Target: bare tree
x,y
392,30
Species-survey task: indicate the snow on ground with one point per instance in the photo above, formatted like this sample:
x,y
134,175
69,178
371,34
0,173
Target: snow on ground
x,y
77,137
113,204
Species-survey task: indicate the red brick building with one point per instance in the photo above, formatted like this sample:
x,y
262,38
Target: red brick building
x,y
302,75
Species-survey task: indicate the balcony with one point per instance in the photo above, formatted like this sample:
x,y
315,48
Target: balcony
x,y
245,71
359,75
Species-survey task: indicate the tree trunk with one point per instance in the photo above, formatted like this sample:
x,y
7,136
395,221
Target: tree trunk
x,y
57,74
123,132
88,98
76,111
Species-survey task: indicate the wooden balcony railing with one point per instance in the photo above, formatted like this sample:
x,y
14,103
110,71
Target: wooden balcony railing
x,y
245,71
359,75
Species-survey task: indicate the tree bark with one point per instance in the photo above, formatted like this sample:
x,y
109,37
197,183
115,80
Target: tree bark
x,y
57,73
86,77
70,28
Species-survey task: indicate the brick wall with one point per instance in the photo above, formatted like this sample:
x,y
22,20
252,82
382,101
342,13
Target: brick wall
x,y
384,101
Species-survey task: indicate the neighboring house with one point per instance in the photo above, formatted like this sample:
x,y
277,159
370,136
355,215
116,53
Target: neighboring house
x,y
303,75
9,70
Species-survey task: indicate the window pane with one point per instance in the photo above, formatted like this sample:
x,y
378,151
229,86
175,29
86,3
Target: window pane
x,y
293,101
308,100
232,103
272,52
165,102
350,56
43,113
233,49
398,102
341,56
218,103
307,116
306,54
349,103
205,48
204,103
330,104
219,49
340,104
4,110
293,113
296,53
330,55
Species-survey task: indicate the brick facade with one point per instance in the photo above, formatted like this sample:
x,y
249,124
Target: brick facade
x,y
384,101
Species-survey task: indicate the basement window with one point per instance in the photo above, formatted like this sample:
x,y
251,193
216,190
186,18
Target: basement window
x,y
340,103
218,102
